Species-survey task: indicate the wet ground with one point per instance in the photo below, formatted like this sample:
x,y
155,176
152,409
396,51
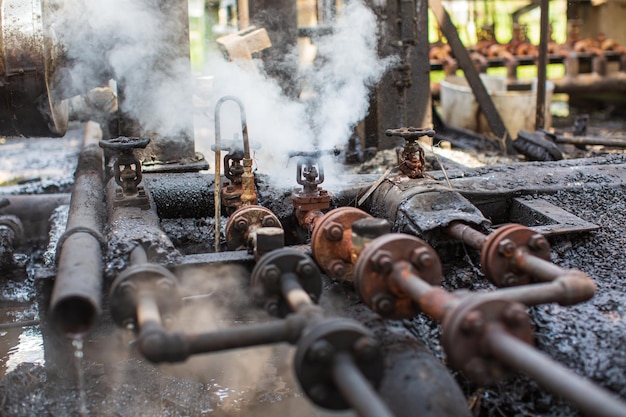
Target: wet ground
x,y
107,378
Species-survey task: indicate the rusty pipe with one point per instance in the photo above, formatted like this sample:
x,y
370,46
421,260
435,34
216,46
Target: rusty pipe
x,y
588,397
75,302
466,234
539,268
356,389
571,287
434,301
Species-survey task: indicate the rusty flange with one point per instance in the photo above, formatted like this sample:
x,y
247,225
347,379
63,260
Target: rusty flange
x,y
331,242
244,221
373,274
145,278
265,281
314,359
464,330
500,249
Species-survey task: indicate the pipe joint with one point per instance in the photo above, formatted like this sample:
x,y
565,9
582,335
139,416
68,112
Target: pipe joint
x,y
158,345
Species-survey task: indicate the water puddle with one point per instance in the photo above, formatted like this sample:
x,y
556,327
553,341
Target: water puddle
x,y
20,338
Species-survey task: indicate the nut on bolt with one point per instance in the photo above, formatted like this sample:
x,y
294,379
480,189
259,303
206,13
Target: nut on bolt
x,y
305,268
338,268
241,224
383,304
271,273
165,285
506,248
333,232
515,315
366,348
421,258
538,242
382,262
269,221
510,279
321,352
473,323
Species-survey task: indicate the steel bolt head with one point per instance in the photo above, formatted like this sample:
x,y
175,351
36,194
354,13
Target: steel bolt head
x,y
318,393
366,348
241,224
538,242
272,308
506,248
305,268
334,232
165,285
382,262
269,221
338,268
321,352
421,258
383,304
515,315
473,323
510,279
270,273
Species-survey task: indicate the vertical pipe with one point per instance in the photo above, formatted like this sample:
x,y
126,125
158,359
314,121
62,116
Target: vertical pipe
x,y
356,390
243,14
75,303
588,397
541,65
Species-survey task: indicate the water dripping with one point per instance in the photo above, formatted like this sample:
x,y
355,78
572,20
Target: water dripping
x,y
77,344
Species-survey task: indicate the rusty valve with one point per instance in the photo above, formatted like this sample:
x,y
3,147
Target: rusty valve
x,y
411,158
310,201
127,171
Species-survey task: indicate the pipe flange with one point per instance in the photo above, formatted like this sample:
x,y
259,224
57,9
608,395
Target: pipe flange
x,y
499,251
145,278
314,359
373,278
464,330
244,221
266,276
331,242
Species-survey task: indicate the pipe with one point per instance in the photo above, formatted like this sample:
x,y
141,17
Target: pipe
x,y
589,398
158,345
34,211
75,302
466,234
293,292
544,25
356,390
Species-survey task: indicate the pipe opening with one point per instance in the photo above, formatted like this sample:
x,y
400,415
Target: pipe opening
x,y
74,315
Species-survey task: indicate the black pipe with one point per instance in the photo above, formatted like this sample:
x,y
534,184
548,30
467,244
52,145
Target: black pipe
x,y
158,345
355,388
544,24
75,302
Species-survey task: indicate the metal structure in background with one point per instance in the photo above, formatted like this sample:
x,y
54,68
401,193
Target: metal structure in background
x,y
402,97
28,105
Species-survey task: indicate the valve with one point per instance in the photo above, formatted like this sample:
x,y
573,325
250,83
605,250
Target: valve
x,y
127,171
243,225
411,157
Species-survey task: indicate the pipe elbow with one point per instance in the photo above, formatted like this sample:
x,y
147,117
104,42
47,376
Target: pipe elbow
x,y
158,345
577,287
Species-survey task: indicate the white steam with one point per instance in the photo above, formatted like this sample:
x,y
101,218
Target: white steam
x,y
137,43
347,67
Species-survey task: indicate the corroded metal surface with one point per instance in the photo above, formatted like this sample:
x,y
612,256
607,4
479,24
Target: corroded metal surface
x,y
374,273
26,65
242,225
497,256
331,242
